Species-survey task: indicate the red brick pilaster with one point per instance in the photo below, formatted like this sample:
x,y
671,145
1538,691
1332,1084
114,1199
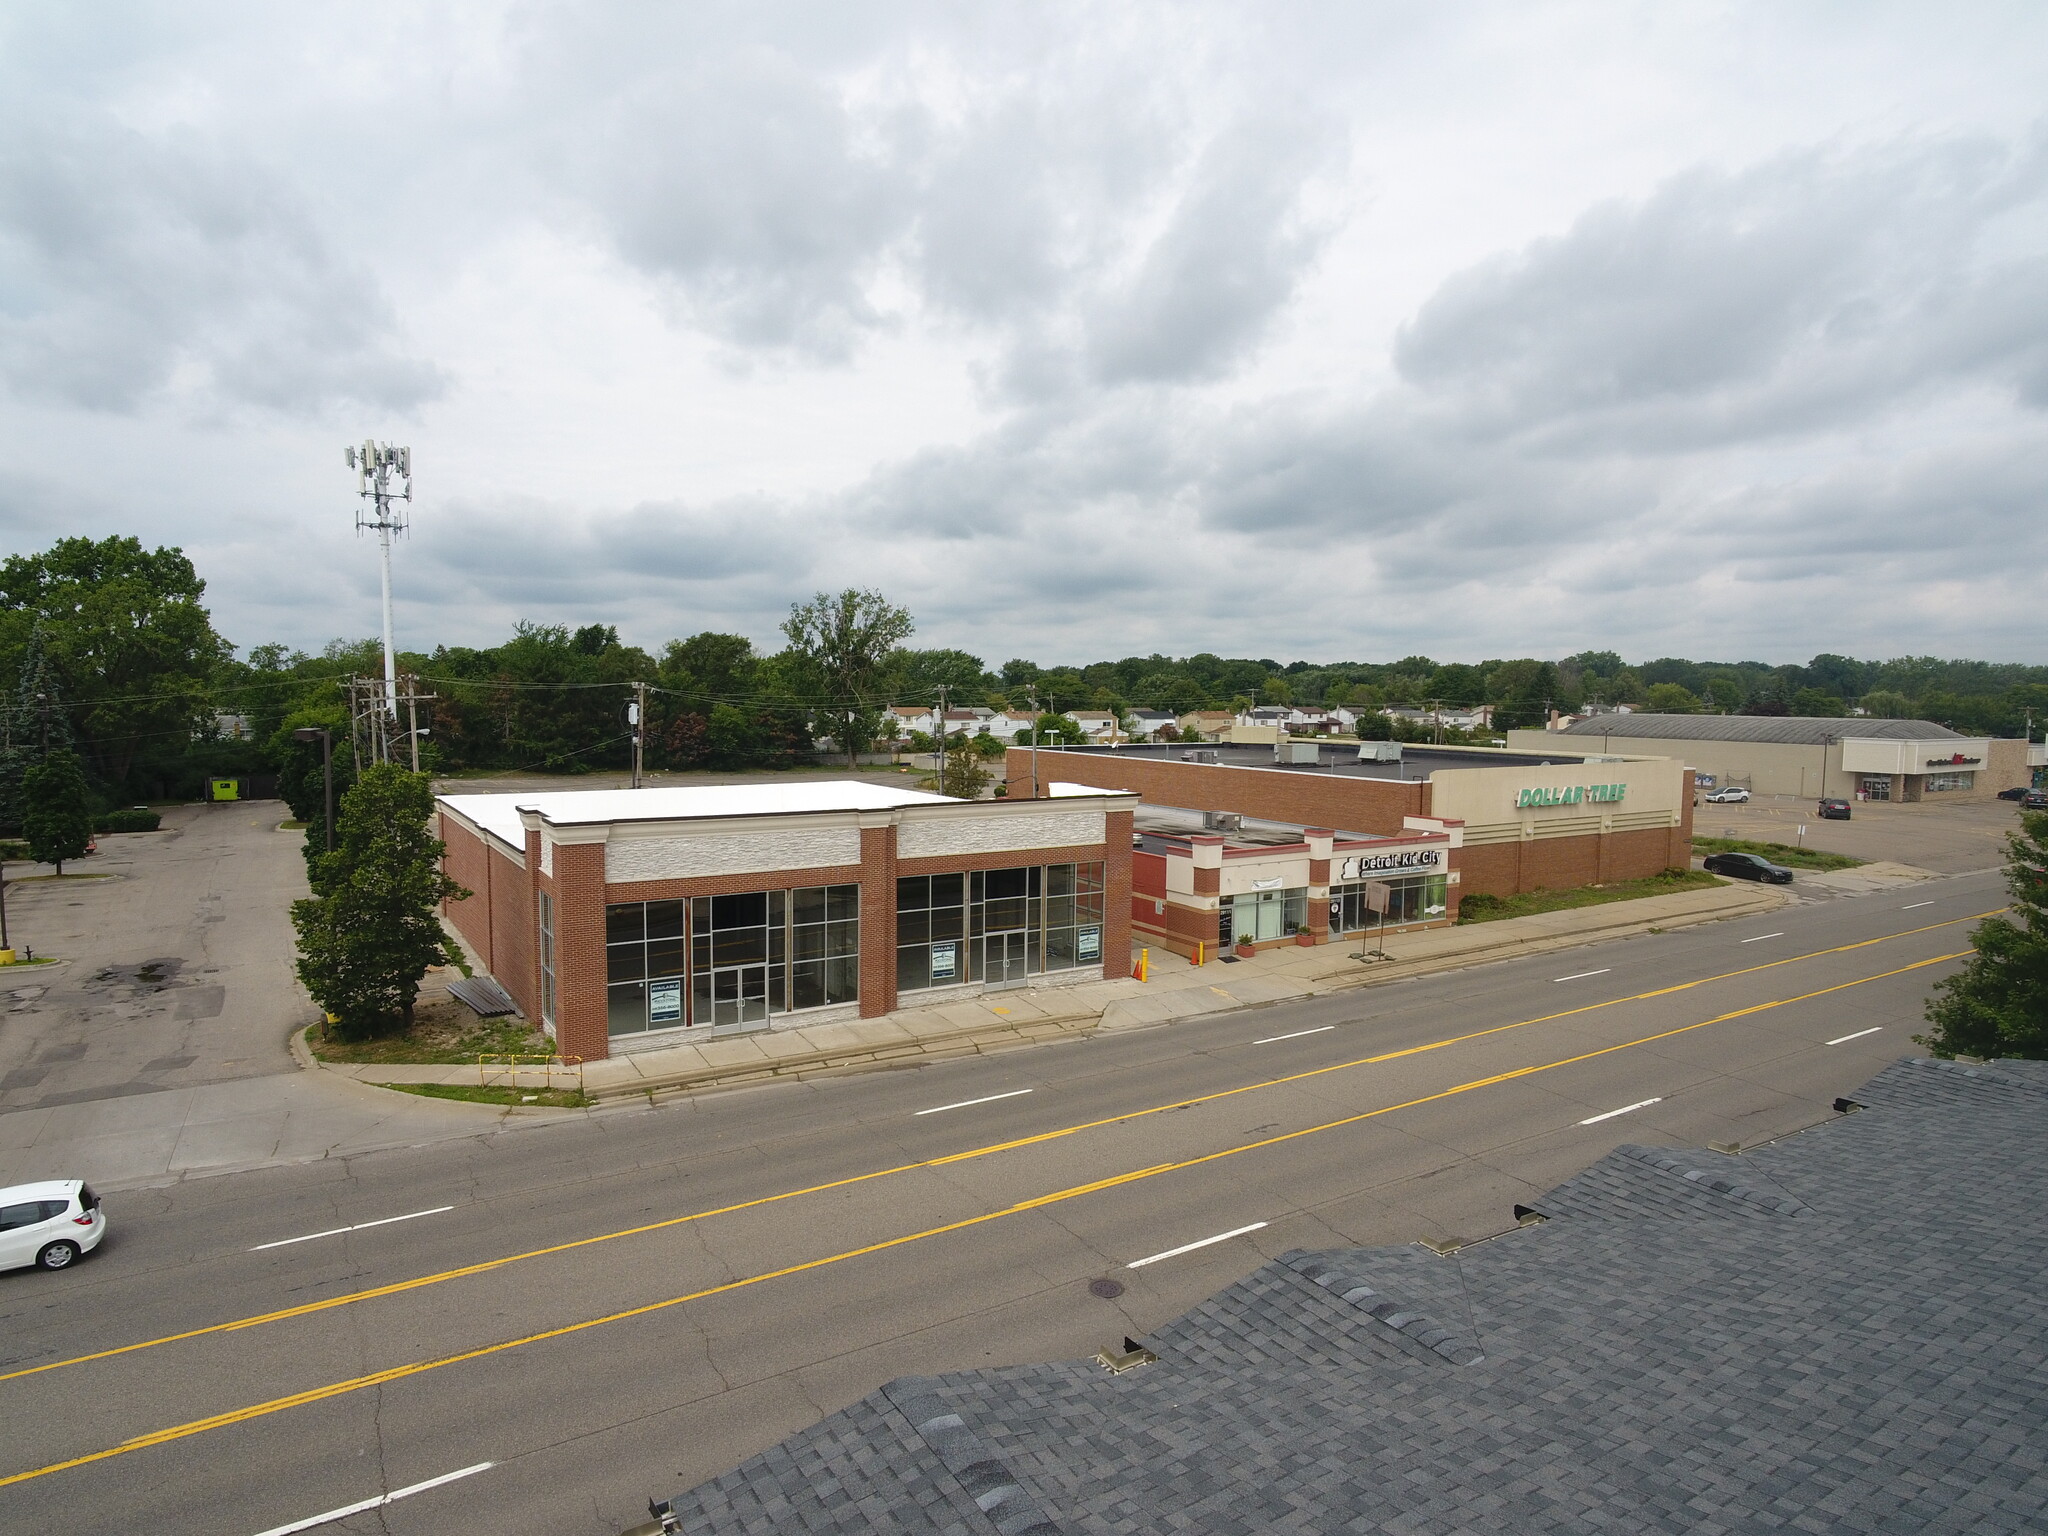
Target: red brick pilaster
x,y
877,918
1116,894
579,949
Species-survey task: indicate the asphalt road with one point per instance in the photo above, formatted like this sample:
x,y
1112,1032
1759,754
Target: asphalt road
x,y
618,1307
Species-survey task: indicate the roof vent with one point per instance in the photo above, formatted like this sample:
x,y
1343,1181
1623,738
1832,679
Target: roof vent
x,y
1848,1106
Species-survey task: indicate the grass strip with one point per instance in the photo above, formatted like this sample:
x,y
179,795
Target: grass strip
x,y
1480,908
473,1093
1787,854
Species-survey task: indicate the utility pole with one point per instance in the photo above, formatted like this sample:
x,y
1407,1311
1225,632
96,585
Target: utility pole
x,y
639,728
1436,720
376,465
940,722
1032,694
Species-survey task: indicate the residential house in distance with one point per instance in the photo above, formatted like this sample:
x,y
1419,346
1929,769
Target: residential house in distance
x,y
1206,724
1146,724
1099,725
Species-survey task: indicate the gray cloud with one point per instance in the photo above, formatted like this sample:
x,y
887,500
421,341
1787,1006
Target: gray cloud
x,y
1229,258
130,260
1783,298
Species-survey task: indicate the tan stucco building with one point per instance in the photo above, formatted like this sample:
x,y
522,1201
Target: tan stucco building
x,y
1854,758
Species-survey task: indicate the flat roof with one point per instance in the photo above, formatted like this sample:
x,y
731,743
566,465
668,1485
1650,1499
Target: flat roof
x,y
1336,759
499,814
1790,730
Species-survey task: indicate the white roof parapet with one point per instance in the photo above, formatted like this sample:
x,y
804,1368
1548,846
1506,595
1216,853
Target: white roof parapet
x,y
499,814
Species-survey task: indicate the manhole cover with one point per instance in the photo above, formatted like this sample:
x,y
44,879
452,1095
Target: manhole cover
x,y
1108,1290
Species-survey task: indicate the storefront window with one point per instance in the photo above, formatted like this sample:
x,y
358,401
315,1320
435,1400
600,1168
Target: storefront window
x,y
1410,899
1940,781
997,925
747,955
1259,915
644,964
1877,786
547,958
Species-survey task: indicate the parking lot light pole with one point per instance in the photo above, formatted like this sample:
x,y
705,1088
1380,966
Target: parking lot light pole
x,y
326,740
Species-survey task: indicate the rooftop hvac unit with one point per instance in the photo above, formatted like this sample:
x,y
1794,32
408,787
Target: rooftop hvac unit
x,y
1298,752
1205,756
1222,821
1379,751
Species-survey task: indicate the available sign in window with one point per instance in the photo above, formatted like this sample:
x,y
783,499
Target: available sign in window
x,y
1090,944
665,1001
945,962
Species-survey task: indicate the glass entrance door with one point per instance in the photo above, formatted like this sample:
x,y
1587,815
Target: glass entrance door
x,y
1006,960
733,995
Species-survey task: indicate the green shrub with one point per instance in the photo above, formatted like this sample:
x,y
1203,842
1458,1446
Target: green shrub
x,y
127,821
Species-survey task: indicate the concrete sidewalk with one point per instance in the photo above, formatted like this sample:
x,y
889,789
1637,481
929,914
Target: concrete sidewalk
x,y
1176,989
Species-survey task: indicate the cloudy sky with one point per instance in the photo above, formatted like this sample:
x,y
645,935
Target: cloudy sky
x,y
1326,331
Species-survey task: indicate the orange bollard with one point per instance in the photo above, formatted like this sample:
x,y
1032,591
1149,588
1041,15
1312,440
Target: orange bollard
x,y
1198,953
1144,964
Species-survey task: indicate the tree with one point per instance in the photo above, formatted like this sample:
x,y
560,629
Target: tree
x,y
1054,730
1818,702
1997,1005
56,811
961,772
1883,704
1671,699
843,644
127,633
371,928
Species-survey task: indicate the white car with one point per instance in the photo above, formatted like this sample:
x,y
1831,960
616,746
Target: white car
x,y
1729,796
49,1224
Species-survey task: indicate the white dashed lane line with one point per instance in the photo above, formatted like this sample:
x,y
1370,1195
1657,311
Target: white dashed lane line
x,y
1582,975
1762,936
940,1109
377,1503
1845,1039
1626,1109
1323,1030
286,1242
1174,1253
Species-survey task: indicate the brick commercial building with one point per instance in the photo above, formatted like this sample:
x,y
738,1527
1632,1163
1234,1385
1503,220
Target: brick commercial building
x,y
1202,884
1903,761
1506,822
630,919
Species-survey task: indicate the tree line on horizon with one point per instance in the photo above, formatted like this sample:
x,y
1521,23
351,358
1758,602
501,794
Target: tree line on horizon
x,y
110,650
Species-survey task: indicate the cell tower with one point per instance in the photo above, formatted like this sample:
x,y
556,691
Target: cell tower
x,y
377,467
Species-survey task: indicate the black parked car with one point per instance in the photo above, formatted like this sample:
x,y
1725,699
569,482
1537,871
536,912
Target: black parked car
x,y
2037,800
2017,792
1747,866
1834,810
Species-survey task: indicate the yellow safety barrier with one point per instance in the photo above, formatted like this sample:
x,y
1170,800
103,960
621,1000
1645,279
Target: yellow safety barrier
x,y
513,1066
1144,964
1198,952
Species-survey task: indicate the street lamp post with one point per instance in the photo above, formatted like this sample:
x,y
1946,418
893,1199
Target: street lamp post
x,y
326,740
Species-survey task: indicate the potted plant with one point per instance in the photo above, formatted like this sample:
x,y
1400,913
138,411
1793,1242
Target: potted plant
x,y
1246,949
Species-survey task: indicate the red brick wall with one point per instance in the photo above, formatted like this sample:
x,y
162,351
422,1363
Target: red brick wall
x,y
1148,874
877,921
467,861
579,951
1353,805
1116,888
1558,863
1178,928
514,953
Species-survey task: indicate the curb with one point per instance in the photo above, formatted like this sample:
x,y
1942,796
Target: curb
x,y
972,1040
307,1061
1116,1017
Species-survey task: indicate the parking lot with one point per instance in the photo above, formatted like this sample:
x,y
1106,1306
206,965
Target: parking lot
x,y
1948,839
177,961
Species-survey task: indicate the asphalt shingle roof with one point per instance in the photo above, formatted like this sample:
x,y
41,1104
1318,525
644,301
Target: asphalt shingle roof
x,y
1790,730
1843,1331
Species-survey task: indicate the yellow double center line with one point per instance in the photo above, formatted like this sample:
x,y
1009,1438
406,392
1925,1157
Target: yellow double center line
x,y
486,1266
400,1372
